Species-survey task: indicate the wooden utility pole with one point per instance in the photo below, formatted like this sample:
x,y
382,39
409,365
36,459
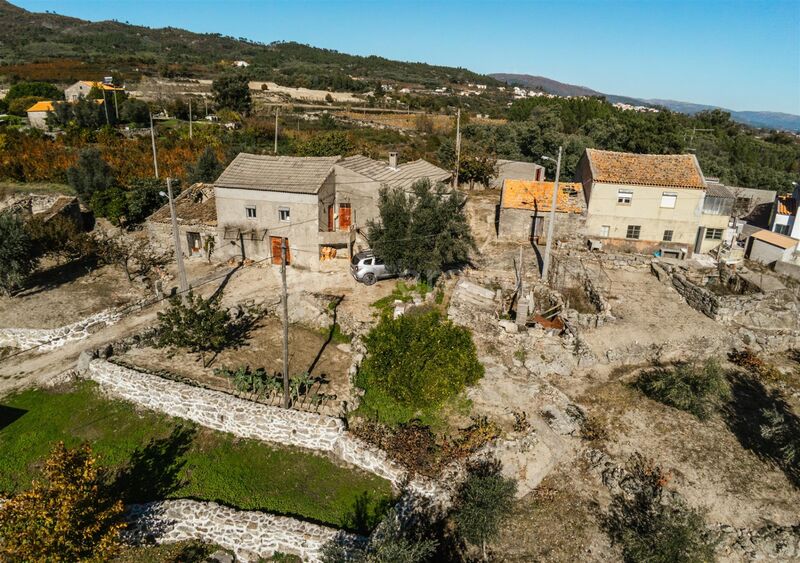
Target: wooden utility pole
x,y
116,107
205,101
105,107
178,252
190,118
153,139
275,150
551,227
458,147
285,327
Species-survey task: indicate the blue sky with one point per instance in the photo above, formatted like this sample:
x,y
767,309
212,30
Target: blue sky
x,y
743,55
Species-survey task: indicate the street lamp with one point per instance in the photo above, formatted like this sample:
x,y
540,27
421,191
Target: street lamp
x,y
178,253
551,226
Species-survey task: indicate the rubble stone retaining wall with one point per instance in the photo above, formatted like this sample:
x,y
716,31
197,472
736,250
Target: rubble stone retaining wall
x,y
241,417
50,339
251,535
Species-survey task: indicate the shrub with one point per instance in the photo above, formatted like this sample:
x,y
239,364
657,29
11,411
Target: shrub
x,y
90,174
781,430
690,386
69,516
415,363
651,528
334,143
19,106
232,92
42,90
17,253
206,169
134,111
484,500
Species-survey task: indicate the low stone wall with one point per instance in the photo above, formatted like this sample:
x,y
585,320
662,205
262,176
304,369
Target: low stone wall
x,y
50,339
241,417
250,535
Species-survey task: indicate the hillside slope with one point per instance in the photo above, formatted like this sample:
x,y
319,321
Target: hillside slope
x,y
56,47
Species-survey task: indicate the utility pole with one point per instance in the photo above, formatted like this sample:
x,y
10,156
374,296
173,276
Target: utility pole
x,y
285,327
190,118
458,147
153,139
116,107
275,150
178,252
552,225
205,101
105,107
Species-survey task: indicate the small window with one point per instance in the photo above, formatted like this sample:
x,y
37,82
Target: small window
x,y
624,197
668,200
604,230
250,211
283,213
633,231
667,236
713,234
782,229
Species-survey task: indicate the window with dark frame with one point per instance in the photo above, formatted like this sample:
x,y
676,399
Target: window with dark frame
x,y
284,214
713,234
633,231
250,211
667,236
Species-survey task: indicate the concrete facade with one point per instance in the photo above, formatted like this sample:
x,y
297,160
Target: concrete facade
x,y
38,119
766,253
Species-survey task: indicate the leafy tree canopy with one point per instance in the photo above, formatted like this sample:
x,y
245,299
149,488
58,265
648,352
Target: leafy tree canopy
x,y
232,92
134,111
206,169
333,143
17,256
90,174
42,90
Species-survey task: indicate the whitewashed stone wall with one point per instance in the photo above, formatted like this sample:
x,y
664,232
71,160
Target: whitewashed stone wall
x,y
50,339
244,418
249,535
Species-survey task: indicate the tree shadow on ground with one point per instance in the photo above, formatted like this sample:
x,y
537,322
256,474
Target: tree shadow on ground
x,y
764,424
331,333
153,472
51,278
9,415
367,511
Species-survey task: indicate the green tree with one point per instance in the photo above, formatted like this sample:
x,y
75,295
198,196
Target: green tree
x,y
421,232
483,501
333,143
206,169
232,92
19,106
200,325
60,237
654,527
90,174
41,90
134,111
414,364
68,516
17,253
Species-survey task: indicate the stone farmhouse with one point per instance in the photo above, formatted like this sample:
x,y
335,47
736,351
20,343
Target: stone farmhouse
x,y
82,88
318,205
37,114
653,203
525,206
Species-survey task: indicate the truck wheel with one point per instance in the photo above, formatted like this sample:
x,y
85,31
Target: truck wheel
x,y
369,279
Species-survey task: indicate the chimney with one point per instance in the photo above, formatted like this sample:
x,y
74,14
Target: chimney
x,y
393,160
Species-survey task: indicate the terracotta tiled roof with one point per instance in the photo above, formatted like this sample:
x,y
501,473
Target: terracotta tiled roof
x,y
775,239
102,86
194,206
528,194
41,106
786,205
667,170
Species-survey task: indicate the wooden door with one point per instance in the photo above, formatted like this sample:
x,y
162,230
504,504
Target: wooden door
x,y
193,240
275,245
331,225
345,216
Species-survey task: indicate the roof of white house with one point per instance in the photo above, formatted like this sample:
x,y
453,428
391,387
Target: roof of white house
x,y
667,170
303,175
404,176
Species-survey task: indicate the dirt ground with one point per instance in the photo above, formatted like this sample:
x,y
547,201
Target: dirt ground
x,y
61,295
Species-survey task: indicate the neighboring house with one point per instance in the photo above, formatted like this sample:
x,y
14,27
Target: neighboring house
x,y
525,210
650,203
37,114
196,214
768,247
82,88
784,218
516,170
263,200
241,64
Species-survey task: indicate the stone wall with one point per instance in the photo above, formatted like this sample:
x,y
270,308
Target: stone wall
x,y
250,535
49,339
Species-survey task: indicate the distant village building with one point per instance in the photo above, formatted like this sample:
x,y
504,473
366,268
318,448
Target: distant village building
x,y
241,64
82,88
37,114
784,218
525,207
653,203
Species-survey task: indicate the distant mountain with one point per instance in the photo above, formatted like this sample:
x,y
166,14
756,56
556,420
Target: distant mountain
x,y
765,119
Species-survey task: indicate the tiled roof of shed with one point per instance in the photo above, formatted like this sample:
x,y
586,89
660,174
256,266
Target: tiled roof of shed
x,y
194,206
528,194
401,177
303,175
667,170
786,205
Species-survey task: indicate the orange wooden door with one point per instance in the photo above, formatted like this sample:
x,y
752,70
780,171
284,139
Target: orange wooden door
x,y
330,218
275,244
345,216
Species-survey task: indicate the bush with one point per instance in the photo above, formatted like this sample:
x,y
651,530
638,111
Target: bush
x,y
414,364
17,253
484,500
134,111
60,237
206,169
42,90
334,143
781,431
691,386
70,516
19,106
232,92
650,528
90,174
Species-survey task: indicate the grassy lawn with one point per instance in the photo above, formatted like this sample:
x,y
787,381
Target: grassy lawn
x,y
168,458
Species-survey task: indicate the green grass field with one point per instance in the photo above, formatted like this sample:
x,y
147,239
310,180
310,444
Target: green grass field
x,y
168,458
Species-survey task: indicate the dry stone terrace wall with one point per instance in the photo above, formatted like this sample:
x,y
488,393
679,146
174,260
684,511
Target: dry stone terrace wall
x,y
50,339
243,418
250,535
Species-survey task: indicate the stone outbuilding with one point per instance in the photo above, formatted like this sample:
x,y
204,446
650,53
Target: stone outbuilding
x,y
37,114
196,212
525,205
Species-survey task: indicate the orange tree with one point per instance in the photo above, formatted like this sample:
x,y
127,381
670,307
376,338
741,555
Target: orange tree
x,y
69,516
